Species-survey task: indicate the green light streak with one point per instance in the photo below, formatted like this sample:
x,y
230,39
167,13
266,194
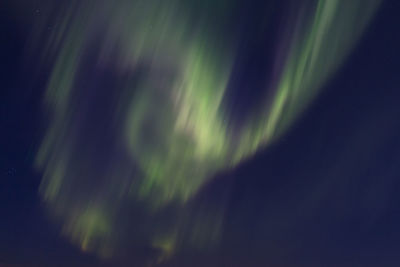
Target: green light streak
x,y
312,59
171,121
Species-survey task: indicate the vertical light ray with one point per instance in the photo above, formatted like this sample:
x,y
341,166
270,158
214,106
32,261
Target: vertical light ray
x,y
137,118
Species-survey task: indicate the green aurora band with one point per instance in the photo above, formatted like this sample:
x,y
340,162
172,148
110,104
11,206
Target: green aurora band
x,y
172,119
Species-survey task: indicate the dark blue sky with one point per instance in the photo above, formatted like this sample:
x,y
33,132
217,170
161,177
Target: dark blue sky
x,y
326,194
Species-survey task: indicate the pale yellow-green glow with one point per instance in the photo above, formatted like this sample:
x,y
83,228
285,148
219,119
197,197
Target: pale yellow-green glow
x,y
333,31
89,229
166,130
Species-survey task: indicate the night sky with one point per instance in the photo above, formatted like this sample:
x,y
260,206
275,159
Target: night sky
x,y
326,193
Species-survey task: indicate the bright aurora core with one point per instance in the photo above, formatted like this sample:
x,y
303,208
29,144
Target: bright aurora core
x,y
139,112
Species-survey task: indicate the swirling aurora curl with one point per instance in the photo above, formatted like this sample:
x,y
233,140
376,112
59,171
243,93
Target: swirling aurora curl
x,y
138,114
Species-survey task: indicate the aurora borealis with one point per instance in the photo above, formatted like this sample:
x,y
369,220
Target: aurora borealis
x,y
138,107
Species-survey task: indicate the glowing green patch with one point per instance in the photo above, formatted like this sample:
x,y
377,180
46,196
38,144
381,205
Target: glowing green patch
x,y
167,128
